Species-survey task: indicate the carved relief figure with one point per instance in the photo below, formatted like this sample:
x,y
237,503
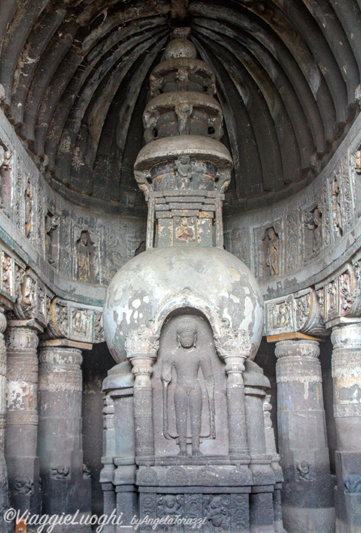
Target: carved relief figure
x,y
272,254
217,511
303,470
336,207
314,223
28,292
7,273
183,112
170,505
23,487
5,167
51,225
185,232
85,257
186,362
80,323
283,315
358,162
183,170
28,210
60,472
332,298
346,292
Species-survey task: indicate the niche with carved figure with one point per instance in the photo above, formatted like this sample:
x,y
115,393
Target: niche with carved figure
x,y
189,383
51,238
271,247
5,177
85,258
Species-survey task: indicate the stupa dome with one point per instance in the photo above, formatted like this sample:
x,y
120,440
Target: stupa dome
x,y
156,282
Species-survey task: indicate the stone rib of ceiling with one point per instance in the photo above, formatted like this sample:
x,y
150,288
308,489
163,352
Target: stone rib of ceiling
x,y
76,72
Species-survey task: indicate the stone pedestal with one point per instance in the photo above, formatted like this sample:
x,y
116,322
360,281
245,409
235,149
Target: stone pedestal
x,y
21,438
66,485
4,488
307,496
346,372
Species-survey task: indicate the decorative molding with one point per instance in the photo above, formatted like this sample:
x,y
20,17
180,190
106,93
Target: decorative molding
x,y
297,313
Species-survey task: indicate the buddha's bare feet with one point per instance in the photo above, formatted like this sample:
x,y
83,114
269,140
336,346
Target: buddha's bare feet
x,y
196,453
183,453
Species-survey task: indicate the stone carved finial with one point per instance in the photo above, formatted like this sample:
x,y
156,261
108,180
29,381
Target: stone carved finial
x,y
180,46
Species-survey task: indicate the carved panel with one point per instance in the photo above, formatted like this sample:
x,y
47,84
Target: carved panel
x,y
279,317
6,171
51,241
268,249
291,246
298,312
312,226
7,274
81,324
237,242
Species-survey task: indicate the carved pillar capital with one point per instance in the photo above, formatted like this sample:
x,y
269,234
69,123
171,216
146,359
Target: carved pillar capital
x,y
297,348
142,369
67,320
296,316
339,296
234,369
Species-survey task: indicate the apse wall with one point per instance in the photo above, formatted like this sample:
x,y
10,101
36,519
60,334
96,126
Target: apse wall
x,y
317,229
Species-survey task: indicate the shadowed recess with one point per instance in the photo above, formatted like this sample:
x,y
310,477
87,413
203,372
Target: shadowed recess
x,y
75,75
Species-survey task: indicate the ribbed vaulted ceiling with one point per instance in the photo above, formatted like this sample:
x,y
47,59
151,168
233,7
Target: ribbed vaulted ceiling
x,y
75,74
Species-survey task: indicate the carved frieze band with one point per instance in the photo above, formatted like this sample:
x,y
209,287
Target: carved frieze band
x,y
30,299
339,296
68,320
298,312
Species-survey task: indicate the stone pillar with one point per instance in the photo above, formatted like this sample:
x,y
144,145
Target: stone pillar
x,y
21,438
4,488
261,498
107,472
66,487
120,447
307,496
346,373
238,446
143,410
272,451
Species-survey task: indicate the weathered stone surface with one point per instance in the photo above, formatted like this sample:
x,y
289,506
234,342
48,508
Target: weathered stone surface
x,y
308,488
65,481
21,445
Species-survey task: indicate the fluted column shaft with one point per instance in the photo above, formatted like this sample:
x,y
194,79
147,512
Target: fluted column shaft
x,y
307,489
66,486
21,437
346,373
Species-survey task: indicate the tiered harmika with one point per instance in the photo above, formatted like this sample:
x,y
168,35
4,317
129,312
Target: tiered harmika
x,y
185,411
